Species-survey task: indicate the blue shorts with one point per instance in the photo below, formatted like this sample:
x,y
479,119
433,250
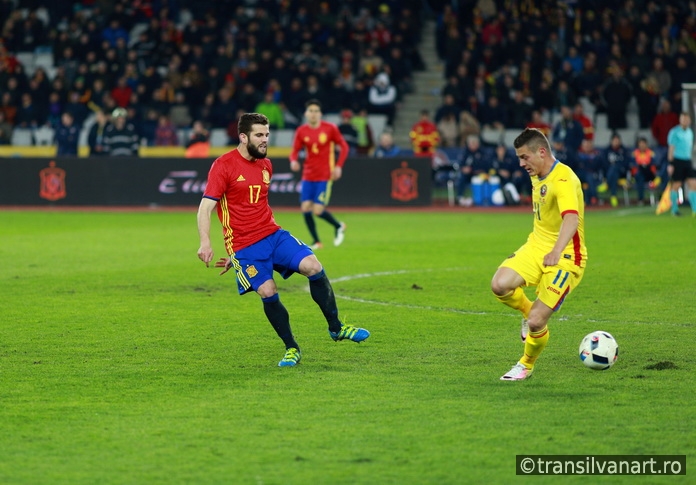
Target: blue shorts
x,y
254,265
317,192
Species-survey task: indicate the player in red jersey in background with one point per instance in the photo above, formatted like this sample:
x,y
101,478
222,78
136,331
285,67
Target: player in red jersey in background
x,y
321,168
238,184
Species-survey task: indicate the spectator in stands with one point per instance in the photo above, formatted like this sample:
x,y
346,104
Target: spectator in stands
x,y
644,168
359,98
537,121
165,133
454,89
589,82
615,161
95,138
179,112
8,108
5,130
682,70
382,98
66,136
519,111
98,94
120,137
493,115
315,90
121,93
113,32
386,147
27,113
233,129
146,128
661,75
424,136
616,94
198,145
69,64
248,98
272,110
370,63
503,165
472,161
350,134
647,98
589,171
361,123
468,125
224,109
76,108
544,97
585,121
449,106
664,120
569,132
448,130
55,109
565,96
401,71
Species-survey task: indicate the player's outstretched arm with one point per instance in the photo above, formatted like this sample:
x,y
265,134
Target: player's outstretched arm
x,y
205,209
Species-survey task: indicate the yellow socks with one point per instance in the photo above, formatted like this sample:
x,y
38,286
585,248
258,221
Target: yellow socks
x,y
518,300
533,346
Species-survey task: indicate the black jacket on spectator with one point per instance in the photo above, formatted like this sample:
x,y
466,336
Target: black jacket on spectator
x,y
123,142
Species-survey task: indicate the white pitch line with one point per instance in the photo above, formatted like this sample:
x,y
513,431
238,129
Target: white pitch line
x,y
452,310
400,305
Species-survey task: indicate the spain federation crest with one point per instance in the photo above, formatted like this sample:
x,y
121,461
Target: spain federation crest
x,y
266,176
52,182
251,271
404,183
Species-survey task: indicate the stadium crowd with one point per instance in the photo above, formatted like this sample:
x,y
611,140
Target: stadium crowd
x,y
508,64
559,67
203,61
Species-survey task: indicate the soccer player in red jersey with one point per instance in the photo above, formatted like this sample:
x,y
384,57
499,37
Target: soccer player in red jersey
x,y
238,184
319,139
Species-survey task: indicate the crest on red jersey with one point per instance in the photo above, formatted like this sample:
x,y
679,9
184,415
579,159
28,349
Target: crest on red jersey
x,y
52,182
266,176
404,183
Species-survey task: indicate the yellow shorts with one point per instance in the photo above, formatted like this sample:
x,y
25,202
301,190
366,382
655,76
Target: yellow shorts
x,y
553,283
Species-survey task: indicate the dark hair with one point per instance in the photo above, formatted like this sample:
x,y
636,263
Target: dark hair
x,y
532,138
311,102
247,120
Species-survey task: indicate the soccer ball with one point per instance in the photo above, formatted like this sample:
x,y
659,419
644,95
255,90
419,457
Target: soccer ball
x,y
599,350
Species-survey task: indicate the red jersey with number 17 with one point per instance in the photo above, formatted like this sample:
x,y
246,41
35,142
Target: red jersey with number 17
x,y
241,187
320,144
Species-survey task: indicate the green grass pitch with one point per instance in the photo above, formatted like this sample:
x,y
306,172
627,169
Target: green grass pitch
x,y
124,360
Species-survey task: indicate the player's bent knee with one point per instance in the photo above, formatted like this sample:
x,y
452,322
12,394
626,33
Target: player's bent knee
x,y
267,290
499,288
310,266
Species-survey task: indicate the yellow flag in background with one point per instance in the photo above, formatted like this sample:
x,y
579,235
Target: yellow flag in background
x,y
665,203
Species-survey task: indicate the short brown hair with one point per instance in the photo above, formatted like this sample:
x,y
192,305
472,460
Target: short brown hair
x,y
247,120
533,138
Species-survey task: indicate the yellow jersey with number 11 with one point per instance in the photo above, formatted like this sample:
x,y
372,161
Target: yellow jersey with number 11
x,y
553,196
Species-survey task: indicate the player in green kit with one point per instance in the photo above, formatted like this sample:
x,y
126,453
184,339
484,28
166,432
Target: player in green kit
x,y
554,257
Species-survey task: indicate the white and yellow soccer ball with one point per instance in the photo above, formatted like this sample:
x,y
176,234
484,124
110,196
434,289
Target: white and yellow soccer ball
x,y
599,350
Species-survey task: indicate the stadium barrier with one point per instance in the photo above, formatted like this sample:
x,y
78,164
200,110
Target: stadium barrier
x,y
114,181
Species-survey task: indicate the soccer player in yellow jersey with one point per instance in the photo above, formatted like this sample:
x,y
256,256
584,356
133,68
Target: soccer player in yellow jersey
x,y
553,258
